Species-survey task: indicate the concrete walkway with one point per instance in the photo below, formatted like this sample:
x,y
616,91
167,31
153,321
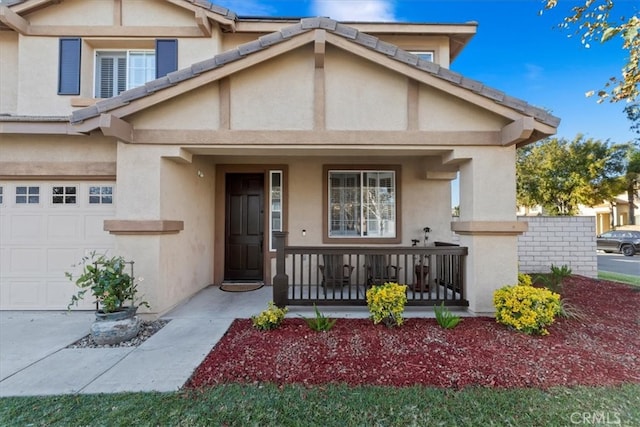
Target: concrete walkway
x,y
34,360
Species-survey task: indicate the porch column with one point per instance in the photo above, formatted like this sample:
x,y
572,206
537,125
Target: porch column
x,y
488,225
164,221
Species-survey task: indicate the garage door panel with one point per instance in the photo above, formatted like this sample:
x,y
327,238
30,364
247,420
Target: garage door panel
x,y
25,294
40,242
27,261
64,227
60,260
25,227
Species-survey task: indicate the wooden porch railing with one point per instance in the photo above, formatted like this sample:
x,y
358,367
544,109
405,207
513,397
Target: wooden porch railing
x,y
339,275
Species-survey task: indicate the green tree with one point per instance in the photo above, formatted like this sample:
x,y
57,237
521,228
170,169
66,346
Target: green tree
x,y
593,20
559,174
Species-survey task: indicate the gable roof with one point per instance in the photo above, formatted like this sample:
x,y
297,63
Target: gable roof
x,y
342,31
222,15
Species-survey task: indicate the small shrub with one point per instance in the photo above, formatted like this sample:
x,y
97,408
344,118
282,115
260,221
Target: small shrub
x,y
386,303
571,311
555,280
526,308
320,323
524,279
270,318
445,318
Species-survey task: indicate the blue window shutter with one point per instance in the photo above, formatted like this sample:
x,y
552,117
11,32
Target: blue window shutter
x,y
69,66
166,57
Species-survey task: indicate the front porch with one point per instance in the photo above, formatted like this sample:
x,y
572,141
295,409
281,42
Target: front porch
x,y
338,275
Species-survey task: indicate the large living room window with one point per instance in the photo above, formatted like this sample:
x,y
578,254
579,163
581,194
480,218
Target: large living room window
x,y
362,204
117,71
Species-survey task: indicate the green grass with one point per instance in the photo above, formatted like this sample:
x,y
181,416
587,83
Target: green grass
x,y
617,277
331,405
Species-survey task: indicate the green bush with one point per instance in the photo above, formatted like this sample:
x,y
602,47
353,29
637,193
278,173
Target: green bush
x,y
386,303
445,318
526,308
270,318
320,323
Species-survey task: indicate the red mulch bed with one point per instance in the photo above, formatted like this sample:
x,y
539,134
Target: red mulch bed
x,y
605,350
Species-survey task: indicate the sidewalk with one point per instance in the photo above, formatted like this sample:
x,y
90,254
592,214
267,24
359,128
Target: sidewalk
x,y
34,360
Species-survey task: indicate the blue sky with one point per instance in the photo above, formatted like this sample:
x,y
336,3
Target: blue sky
x,y
515,50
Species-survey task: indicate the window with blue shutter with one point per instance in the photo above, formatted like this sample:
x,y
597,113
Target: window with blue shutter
x,y
166,57
69,66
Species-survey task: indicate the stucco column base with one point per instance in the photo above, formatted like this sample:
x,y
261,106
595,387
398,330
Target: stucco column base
x,y
491,264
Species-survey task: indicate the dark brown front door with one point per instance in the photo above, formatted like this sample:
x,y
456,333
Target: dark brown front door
x,y
244,227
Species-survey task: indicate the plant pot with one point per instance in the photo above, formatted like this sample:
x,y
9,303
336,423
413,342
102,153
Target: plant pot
x,y
116,327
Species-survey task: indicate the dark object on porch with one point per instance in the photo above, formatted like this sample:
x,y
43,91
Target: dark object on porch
x,y
335,273
380,270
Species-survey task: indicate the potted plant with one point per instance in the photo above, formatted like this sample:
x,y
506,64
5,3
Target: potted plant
x,y
114,290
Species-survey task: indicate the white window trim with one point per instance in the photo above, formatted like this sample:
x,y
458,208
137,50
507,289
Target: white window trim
x,y
271,210
394,172
422,53
127,53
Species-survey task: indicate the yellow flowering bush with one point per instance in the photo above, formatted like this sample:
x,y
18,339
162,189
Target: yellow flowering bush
x,y
526,308
386,303
270,318
524,279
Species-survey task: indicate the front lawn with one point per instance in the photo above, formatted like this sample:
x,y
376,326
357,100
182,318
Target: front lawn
x,y
333,405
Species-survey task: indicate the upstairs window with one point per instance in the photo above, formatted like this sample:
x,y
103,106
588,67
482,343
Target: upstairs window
x,y
117,71
425,55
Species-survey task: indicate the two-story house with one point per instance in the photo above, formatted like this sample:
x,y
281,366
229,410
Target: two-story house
x,y
180,135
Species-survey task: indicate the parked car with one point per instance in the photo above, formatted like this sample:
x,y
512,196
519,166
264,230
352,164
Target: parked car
x,y
626,242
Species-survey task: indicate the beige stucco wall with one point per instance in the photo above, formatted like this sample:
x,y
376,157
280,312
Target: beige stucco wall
x,y
198,109
8,72
275,95
38,78
153,12
356,91
74,12
59,148
175,265
186,258
439,111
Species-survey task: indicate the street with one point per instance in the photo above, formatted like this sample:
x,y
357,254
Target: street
x,y
616,263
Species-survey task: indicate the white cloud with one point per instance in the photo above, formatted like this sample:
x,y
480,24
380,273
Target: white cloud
x,y
355,10
533,72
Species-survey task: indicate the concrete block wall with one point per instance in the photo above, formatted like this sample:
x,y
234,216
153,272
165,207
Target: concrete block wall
x,y
559,241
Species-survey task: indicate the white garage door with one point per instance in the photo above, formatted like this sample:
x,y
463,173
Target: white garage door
x,y
46,228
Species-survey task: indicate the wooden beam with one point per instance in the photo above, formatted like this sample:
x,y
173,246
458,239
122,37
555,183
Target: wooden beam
x,y
113,31
14,21
117,13
38,128
517,131
319,47
132,226
35,170
202,20
224,99
179,155
113,126
314,138
413,103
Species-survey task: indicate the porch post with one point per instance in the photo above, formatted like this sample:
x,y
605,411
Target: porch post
x,y
488,224
280,280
